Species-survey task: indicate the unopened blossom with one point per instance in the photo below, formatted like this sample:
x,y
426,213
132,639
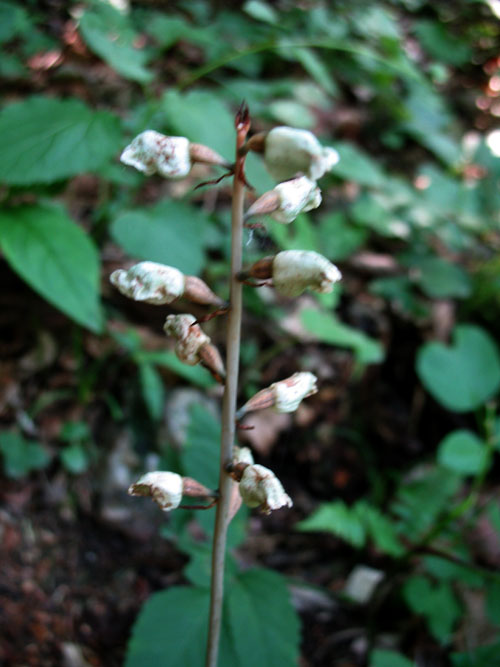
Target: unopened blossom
x,y
284,396
293,271
193,346
297,270
172,157
259,487
161,284
165,488
288,151
287,200
242,455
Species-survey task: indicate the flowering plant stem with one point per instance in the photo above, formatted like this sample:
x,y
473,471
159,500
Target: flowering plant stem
x,y
230,394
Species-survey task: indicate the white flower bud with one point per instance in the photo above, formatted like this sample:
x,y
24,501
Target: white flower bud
x,y
296,196
288,151
150,282
259,487
152,152
190,337
242,455
283,396
165,488
290,392
294,271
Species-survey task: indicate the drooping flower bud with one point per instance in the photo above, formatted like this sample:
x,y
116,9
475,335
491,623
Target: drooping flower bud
x,y
193,345
288,151
284,202
160,284
172,157
293,271
297,270
259,487
283,396
165,488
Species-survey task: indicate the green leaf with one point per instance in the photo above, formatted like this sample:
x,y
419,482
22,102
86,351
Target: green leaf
x,y
44,140
14,21
420,502
56,258
153,391
336,518
20,456
463,452
108,33
75,431
314,66
354,165
437,604
75,458
482,656
441,44
439,278
200,452
329,330
337,238
464,375
379,528
493,601
195,374
261,11
259,625
384,658
171,232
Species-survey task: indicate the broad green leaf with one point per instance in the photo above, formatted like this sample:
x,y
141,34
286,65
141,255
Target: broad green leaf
x,y
108,33
75,431
153,391
355,166
200,452
379,528
446,570
292,113
399,291
439,278
464,375
463,452
44,140
195,374
302,235
171,232
171,629
21,456
329,330
336,518
75,458
56,258
384,658
315,67
259,625
437,604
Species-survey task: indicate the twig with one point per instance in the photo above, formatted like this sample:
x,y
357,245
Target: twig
x,y
230,394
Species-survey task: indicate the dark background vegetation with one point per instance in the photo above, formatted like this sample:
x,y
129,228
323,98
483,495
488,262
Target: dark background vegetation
x,y
392,548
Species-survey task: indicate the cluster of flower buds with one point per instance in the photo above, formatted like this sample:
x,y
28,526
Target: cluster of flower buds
x,y
160,284
288,151
193,346
167,489
293,271
171,157
285,201
284,396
